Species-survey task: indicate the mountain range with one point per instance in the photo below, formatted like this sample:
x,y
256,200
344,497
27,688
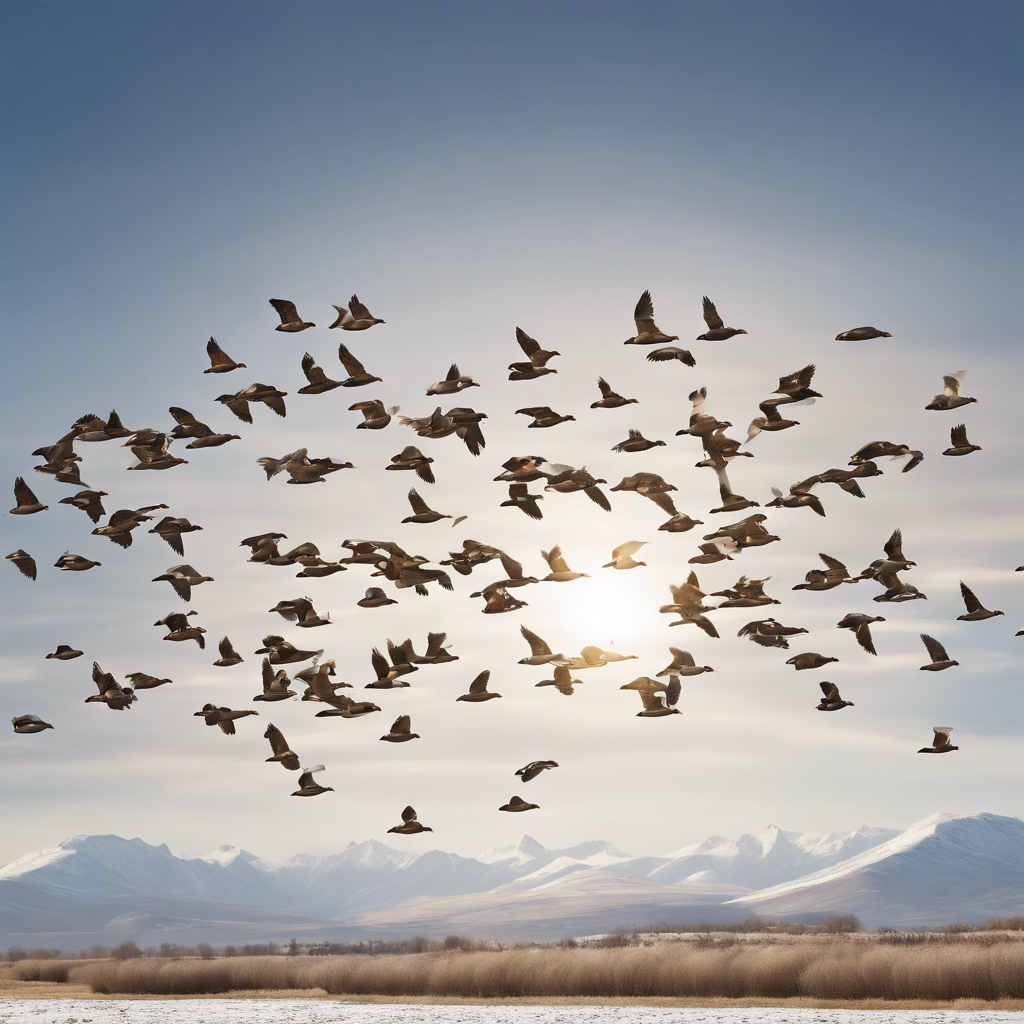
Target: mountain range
x,y
100,889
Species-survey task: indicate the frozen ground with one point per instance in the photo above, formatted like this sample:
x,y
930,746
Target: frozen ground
x,y
306,1011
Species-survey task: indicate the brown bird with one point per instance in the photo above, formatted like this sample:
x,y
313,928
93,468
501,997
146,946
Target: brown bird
x,y
940,659
111,693
142,681
64,653
636,442
410,826
356,318
283,754
27,502
224,717
538,359
960,444
860,625
534,768
23,562
375,416
563,682
89,502
862,334
809,660
609,399
220,361
453,383
717,331
519,497
544,416
412,458
478,689
319,382
647,332
291,322
171,529
518,804
940,743
307,787
29,724
831,701
975,611
399,732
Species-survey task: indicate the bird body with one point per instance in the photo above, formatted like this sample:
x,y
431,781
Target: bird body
x,y
717,331
940,742
291,322
862,334
647,332
356,318
478,691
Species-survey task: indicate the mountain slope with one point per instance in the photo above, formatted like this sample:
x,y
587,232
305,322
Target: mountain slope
x,y
945,868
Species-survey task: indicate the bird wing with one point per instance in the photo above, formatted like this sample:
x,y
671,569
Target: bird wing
x,y
479,685
184,417
104,680
834,563
663,501
711,317
526,343
643,314
278,744
408,815
402,725
453,372
306,778
313,373
973,604
349,361
606,390
953,382
380,664
268,674
941,735
518,490
831,692
513,569
651,701
358,310
935,650
226,650
863,635
682,658
419,506
537,645
958,435
23,493
673,691
631,547
218,357
286,311
435,643
798,380
556,563
894,546
596,495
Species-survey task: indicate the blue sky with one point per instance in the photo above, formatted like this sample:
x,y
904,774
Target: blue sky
x,y
466,168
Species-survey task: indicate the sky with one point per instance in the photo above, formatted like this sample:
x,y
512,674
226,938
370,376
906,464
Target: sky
x,y
467,168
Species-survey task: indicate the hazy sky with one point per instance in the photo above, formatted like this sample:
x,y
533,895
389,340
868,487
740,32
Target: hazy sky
x,y
466,168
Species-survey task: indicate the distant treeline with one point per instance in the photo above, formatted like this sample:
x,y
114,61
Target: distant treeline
x,y
619,937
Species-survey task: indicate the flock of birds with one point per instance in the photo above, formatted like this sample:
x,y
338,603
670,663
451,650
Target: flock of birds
x,y
659,694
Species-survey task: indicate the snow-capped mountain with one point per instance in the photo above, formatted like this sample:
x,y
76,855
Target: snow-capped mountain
x,y
93,888
768,857
948,867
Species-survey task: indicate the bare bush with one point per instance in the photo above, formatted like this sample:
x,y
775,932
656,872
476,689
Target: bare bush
x,y
831,970
41,970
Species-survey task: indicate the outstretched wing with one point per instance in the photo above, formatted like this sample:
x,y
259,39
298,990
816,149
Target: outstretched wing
x,y
402,726
286,311
526,343
419,506
313,372
537,645
218,357
408,815
711,317
479,685
643,314
935,650
973,604
958,435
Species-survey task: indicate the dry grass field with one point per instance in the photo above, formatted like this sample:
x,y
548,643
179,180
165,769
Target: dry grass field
x,y
846,972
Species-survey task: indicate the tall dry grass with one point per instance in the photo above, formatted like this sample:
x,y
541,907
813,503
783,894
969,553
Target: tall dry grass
x,y
41,970
839,970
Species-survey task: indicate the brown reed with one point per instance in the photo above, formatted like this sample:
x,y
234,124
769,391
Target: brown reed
x,y
830,970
